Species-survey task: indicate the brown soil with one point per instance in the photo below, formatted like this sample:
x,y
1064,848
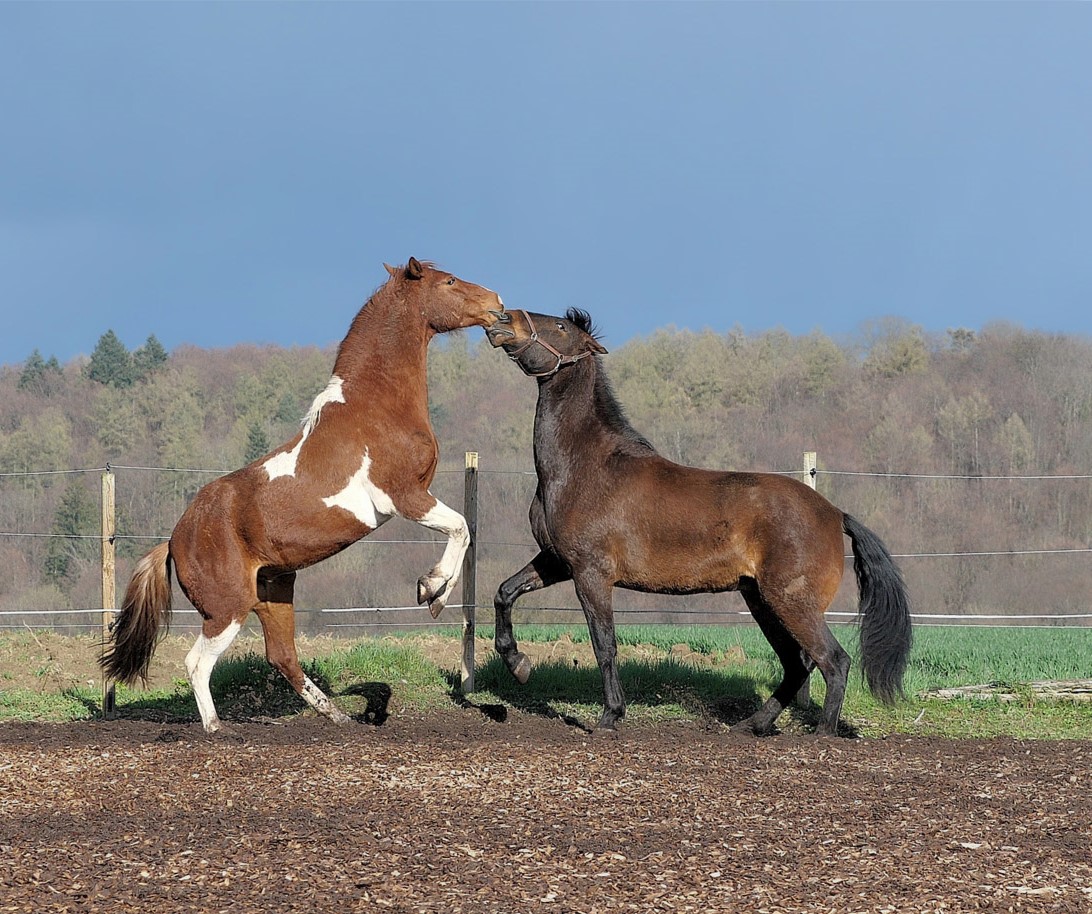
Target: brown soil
x,y
471,810
486,809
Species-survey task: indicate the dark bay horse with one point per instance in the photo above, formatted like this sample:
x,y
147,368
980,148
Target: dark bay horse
x,y
611,512
366,452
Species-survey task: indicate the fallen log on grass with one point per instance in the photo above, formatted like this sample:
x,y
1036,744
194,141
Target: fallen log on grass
x,y
1054,690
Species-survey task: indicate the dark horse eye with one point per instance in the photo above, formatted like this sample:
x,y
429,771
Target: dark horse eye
x,y
560,325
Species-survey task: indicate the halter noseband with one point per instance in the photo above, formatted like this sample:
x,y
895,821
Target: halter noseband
x,y
531,340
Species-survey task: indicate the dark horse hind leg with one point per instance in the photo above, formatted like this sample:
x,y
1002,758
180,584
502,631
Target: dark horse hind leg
x,y
595,595
808,645
542,571
277,616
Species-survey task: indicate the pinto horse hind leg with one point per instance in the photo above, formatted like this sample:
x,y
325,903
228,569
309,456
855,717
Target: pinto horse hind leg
x,y
276,613
215,638
544,570
794,660
223,595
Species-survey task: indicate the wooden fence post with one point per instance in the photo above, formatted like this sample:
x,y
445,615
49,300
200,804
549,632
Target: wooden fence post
x,y
470,570
809,468
803,697
109,597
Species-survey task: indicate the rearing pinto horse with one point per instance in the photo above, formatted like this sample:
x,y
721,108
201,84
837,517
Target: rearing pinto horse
x,y
611,512
366,452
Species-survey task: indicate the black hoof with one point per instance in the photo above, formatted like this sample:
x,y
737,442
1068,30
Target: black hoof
x,y
521,668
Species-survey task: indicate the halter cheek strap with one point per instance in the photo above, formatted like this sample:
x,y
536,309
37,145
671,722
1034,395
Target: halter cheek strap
x,y
534,338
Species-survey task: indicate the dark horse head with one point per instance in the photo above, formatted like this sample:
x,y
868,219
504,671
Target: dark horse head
x,y
541,343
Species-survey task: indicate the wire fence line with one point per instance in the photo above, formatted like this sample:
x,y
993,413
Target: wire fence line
x,y
531,545
6,616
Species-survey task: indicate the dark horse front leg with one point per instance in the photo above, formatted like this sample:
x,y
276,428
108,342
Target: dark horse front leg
x,y
542,571
596,599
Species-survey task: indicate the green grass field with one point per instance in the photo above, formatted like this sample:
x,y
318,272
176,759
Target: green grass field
x,y
720,676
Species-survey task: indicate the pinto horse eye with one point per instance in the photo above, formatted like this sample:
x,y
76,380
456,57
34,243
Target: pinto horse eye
x,y
451,281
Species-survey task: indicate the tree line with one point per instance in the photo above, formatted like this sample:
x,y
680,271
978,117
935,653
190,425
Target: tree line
x,y
956,410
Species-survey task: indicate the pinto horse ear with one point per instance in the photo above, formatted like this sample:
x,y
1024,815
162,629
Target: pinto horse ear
x,y
414,270
389,269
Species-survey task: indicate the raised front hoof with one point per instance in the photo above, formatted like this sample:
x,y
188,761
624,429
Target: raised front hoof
x,y
433,591
521,668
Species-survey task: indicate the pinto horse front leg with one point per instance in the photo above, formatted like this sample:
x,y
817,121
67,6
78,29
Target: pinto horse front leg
x,y
435,587
542,571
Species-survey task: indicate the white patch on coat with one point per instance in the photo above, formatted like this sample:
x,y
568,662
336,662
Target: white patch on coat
x,y
284,464
362,498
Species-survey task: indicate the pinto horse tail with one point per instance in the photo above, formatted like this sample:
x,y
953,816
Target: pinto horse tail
x,y
883,612
145,610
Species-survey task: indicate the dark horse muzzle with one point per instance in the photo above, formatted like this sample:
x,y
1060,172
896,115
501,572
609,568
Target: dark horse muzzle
x,y
517,349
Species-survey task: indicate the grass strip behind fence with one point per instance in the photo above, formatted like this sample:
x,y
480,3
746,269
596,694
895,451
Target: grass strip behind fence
x,y
713,674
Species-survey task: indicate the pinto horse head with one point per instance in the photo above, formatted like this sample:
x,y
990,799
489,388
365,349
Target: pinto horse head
x,y
542,344
446,302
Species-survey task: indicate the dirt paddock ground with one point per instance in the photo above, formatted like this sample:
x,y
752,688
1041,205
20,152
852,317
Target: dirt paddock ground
x,y
461,812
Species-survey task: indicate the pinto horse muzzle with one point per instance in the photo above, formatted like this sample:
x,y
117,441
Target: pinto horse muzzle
x,y
502,335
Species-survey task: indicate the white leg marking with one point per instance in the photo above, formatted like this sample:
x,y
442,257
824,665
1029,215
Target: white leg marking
x,y
362,498
441,580
284,463
318,700
199,663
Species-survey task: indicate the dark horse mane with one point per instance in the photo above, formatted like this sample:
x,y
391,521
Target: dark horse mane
x,y
605,403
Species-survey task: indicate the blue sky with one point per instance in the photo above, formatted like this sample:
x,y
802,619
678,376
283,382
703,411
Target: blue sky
x,y
224,173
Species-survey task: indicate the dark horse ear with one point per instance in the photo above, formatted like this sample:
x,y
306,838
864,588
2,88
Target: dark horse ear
x,y
583,320
414,270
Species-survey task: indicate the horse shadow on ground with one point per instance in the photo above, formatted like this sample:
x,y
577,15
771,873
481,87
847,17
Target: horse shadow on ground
x,y
248,689
713,697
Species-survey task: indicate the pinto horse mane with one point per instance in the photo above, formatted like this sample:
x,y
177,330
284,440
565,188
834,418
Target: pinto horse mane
x,y
604,401
396,281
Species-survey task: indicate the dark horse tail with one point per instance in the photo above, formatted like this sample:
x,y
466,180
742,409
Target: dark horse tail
x,y
884,610
145,610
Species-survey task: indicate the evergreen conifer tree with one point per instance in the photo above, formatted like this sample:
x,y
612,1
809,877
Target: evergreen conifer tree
x,y
111,363
76,515
257,442
149,358
33,375
38,375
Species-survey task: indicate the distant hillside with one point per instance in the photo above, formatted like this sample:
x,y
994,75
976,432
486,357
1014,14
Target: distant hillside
x,y
999,402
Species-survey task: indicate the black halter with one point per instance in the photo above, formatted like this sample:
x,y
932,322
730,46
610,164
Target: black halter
x,y
561,359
